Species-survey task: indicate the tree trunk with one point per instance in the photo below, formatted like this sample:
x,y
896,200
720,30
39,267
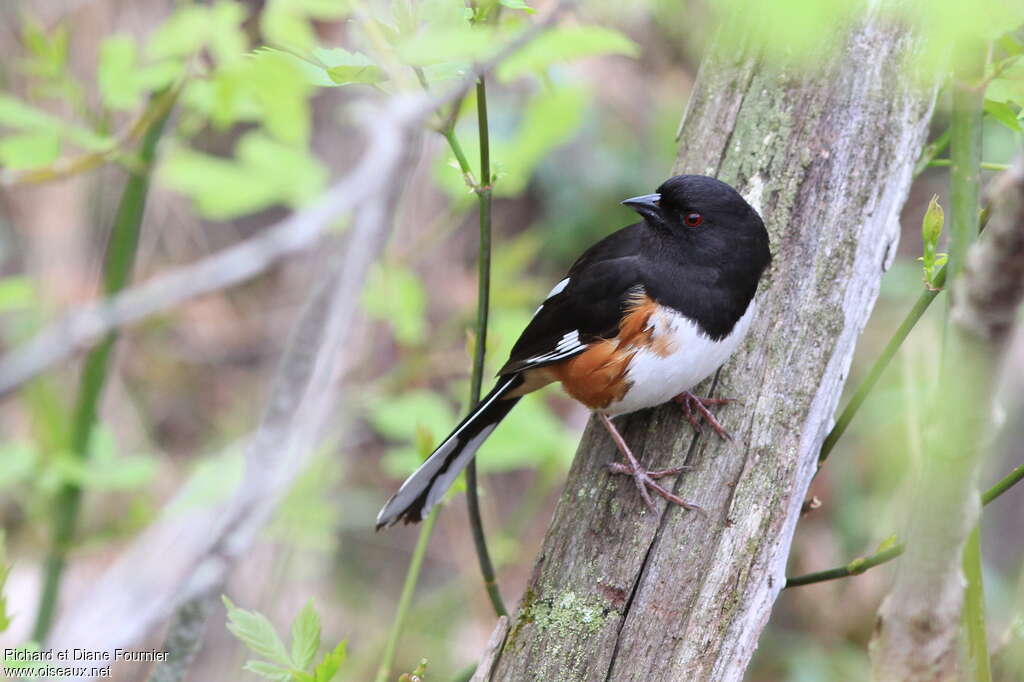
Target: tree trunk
x,y
619,594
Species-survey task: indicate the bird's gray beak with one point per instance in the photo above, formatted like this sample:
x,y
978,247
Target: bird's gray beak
x,y
646,205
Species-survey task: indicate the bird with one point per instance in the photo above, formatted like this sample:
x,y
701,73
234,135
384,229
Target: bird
x,y
642,317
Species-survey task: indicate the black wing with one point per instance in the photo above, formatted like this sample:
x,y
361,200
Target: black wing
x,y
586,306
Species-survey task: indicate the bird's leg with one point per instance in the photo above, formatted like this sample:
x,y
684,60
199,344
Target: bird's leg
x,y
694,408
643,478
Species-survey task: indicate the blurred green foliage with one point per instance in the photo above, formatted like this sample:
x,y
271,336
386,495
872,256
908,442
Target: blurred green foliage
x,y
564,150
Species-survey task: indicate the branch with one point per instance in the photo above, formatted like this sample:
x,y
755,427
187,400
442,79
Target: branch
x,y
862,564
617,593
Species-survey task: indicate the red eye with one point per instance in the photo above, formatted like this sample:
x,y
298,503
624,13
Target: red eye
x,y
693,219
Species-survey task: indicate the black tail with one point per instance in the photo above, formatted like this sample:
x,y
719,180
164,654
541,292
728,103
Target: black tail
x,y
424,488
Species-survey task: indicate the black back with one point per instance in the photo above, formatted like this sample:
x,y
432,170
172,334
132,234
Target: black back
x,y
709,272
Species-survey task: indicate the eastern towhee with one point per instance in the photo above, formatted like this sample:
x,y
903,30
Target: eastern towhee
x,y
642,317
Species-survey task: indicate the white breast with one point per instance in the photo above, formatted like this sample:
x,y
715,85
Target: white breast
x,y
685,356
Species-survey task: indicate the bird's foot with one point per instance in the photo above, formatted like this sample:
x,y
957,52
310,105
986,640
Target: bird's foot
x,y
643,478
694,408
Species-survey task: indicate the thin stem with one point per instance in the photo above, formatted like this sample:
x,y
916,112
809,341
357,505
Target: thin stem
x,y
1007,482
855,567
480,347
117,270
861,564
980,668
484,195
412,576
930,152
874,374
984,165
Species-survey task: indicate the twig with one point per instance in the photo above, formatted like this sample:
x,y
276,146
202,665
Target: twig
x,y
1004,484
157,109
480,348
117,270
924,300
888,353
984,165
854,567
861,564
935,148
85,327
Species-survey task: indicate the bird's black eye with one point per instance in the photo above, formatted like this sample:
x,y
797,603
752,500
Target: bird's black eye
x,y
693,219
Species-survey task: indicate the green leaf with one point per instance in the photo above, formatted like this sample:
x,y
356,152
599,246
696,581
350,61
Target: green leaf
x,y
397,417
182,35
268,670
282,93
18,461
328,668
395,294
106,469
269,86
305,636
448,42
287,22
266,173
564,44
122,81
16,114
1004,113
29,150
344,67
116,74
887,544
530,437
16,293
227,37
931,230
257,634
192,27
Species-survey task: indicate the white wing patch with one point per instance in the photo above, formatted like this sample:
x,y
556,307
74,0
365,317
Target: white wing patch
x,y
567,346
555,291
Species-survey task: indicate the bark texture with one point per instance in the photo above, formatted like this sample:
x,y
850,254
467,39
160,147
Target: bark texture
x,y
619,594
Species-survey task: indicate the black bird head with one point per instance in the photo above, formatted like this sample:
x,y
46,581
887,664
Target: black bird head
x,y
705,215
709,246
696,203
